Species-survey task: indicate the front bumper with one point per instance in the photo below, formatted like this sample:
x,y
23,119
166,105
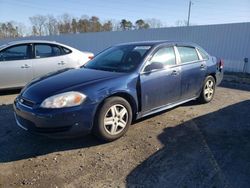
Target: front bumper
x,y
67,122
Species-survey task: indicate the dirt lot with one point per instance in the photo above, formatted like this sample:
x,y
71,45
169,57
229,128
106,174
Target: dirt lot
x,y
190,146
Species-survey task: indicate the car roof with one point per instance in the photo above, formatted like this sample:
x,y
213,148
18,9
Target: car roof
x,y
35,41
159,42
29,41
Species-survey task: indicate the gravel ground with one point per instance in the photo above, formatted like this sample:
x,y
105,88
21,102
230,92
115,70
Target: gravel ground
x,y
189,146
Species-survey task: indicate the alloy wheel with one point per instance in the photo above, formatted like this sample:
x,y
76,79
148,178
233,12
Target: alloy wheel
x,y
116,119
209,89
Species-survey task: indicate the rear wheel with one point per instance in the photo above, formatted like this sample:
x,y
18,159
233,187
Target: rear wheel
x,y
208,90
113,119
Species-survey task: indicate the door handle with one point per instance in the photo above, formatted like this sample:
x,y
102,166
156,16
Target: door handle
x,y
175,72
202,66
61,63
25,66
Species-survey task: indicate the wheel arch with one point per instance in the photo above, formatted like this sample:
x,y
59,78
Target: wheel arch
x,y
128,97
213,75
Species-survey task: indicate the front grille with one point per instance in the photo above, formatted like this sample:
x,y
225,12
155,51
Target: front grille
x,y
26,102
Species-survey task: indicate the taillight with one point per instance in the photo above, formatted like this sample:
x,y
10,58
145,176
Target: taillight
x,y
221,64
90,57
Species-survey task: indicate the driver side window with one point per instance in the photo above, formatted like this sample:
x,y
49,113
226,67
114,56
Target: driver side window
x,y
165,55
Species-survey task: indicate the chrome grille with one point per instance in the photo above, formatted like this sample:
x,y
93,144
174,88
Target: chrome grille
x,y
26,102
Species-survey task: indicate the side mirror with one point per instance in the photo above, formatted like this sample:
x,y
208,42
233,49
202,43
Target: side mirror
x,y
153,66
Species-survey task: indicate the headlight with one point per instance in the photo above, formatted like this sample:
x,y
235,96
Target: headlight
x,y
63,100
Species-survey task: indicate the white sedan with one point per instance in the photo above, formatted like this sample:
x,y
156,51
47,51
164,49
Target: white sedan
x,y
22,61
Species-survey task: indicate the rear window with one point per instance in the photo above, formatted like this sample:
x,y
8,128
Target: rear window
x,y
66,50
45,50
188,54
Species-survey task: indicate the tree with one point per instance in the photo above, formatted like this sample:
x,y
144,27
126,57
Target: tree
x,y
4,30
95,25
64,25
181,23
116,25
9,30
74,25
126,24
38,22
51,25
83,25
154,23
107,26
34,31
21,29
140,24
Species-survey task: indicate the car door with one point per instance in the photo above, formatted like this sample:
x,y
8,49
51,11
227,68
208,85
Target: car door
x,y
161,86
193,72
47,58
15,66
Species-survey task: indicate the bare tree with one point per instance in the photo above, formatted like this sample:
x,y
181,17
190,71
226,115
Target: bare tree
x,y
64,25
34,31
51,25
154,23
21,29
181,23
38,22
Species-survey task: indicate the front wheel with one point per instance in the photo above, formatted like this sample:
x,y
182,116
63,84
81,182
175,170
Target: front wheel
x,y
208,90
113,119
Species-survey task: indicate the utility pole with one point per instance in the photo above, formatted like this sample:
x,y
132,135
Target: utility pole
x,y
189,12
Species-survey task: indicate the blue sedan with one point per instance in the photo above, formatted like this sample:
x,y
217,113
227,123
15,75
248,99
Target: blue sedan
x,y
123,83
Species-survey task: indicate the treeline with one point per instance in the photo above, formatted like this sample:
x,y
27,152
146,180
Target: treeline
x,y
49,25
42,25
9,30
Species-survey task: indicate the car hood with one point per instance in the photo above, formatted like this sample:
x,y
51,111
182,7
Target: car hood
x,y
59,82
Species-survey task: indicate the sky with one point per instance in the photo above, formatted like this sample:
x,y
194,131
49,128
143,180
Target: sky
x,y
203,12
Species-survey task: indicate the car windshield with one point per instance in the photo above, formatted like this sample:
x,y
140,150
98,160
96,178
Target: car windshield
x,y
125,58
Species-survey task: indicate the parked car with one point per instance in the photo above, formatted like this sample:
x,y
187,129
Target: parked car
x,y
22,61
123,83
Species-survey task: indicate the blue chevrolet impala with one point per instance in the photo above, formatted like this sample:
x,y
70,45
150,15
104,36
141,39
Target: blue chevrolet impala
x,y
123,83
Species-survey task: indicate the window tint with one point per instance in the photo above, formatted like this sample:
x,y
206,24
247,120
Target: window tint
x,y
165,56
203,53
44,50
188,54
15,53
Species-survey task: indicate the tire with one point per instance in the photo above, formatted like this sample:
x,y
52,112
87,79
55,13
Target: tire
x,y
113,119
208,90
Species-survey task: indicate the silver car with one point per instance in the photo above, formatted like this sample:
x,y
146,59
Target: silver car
x,y
22,61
